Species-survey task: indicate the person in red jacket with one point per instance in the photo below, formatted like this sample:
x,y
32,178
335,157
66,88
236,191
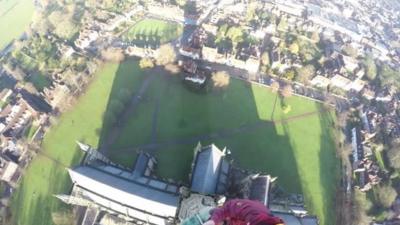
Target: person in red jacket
x,y
243,212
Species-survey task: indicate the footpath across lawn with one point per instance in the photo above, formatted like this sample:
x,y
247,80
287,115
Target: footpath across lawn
x,y
34,203
15,16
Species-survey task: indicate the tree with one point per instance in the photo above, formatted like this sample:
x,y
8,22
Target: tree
x,y
236,35
265,58
181,3
220,79
287,91
315,36
166,55
41,24
385,195
388,76
350,51
172,68
251,12
283,25
112,55
63,25
275,86
290,74
294,48
393,154
362,205
146,63
305,73
66,29
370,67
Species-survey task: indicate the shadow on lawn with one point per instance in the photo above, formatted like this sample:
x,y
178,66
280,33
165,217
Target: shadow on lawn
x,y
328,164
124,97
230,118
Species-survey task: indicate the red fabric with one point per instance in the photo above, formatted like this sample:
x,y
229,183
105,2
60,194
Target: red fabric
x,y
244,212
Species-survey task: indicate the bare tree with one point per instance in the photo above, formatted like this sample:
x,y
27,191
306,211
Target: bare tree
x,y
287,91
386,195
275,86
166,55
172,68
112,55
146,63
393,154
220,79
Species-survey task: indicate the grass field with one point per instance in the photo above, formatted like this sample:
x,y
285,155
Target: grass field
x,y
15,16
33,202
300,151
153,32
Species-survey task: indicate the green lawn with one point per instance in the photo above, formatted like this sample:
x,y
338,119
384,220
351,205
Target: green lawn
x,y
300,152
15,16
153,32
33,202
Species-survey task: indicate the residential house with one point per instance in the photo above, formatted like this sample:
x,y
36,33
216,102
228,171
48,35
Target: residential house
x,y
140,52
56,95
86,37
212,55
350,64
210,28
357,85
368,93
15,117
9,171
252,64
320,81
341,82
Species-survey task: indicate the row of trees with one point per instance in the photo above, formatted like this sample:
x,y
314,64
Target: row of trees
x,y
303,74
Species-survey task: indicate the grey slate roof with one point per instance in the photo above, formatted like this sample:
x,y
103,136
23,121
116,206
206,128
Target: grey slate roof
x,y
121,194
207,171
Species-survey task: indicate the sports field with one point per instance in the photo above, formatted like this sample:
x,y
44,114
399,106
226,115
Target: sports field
x,y
15,16
169,120
153,32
